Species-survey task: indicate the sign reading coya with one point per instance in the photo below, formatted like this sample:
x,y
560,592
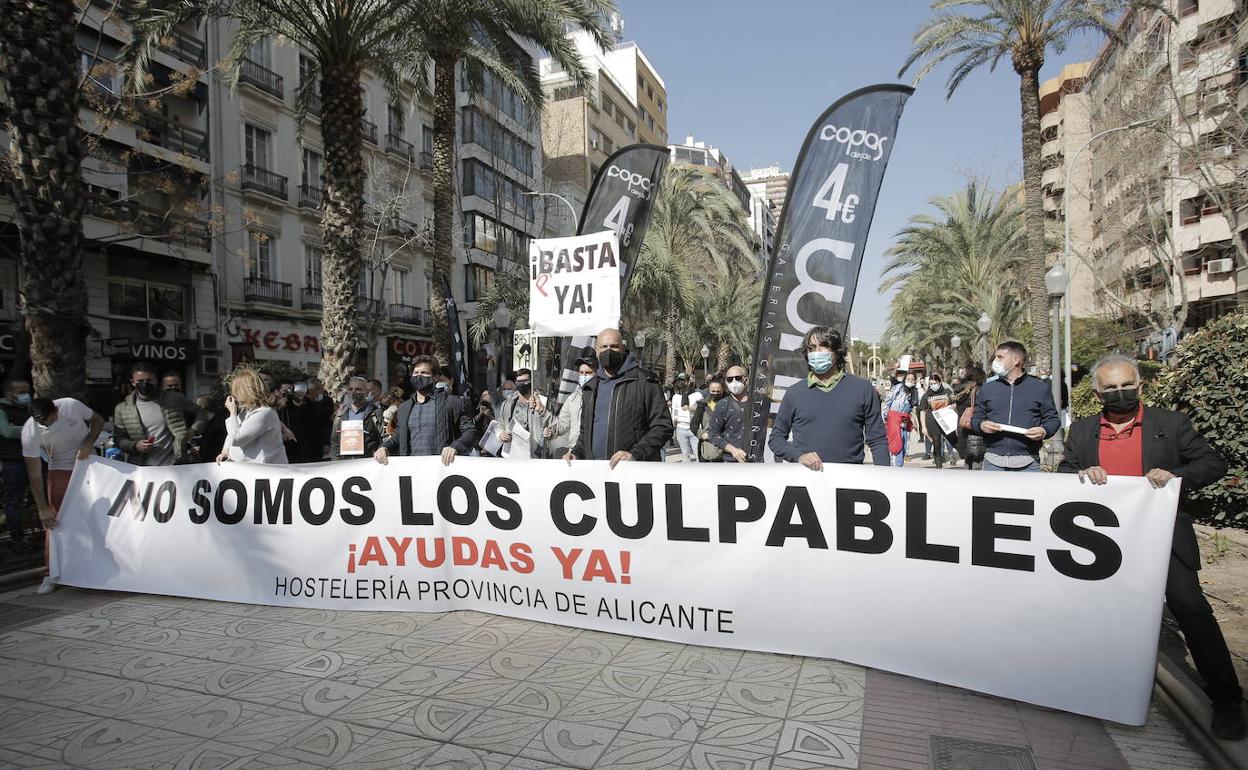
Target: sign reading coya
x,y
1028,586
574,284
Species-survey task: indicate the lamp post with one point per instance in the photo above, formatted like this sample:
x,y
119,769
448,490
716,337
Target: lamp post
x,y
984,324
576,224
1056,281
502,320
639,340
955,343
706,353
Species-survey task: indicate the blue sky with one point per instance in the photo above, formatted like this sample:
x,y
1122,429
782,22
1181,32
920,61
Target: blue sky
x,y
750,77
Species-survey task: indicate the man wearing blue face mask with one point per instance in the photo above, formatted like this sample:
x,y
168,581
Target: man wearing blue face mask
x,y
831,416
14,411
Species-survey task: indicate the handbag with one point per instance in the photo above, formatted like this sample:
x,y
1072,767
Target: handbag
x,y
707,452
965,421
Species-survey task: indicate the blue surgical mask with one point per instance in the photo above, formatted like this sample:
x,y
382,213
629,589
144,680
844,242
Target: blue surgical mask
x,y
441,386
819,362
584,379
998,368
22,399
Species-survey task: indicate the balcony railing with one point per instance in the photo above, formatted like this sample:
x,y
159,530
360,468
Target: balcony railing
x,y
310,298
263,290
370,132
400,146
263,180
172,229
367,305
162,132
310,196
409,314
426,160
185,46
261,77
399,227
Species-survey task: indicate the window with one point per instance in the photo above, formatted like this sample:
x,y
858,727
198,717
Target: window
x,y
649,92
402,295
312,257
486,182
259,255
662,107
477,280
482,232
394,116
488,133
261,52
632,129
426,139
650,122
147,301
258,145
102,72
306,66
311,176
563,93
608,107
595,139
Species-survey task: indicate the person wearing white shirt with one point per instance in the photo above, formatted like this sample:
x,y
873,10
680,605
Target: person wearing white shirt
x,y
60,433
253,432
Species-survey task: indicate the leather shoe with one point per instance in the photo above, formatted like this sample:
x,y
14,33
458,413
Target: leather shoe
x,y
1228,723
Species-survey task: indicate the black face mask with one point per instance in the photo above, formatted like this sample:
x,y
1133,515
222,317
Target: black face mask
x,y
612,360
1121,401
145,389
422,383
358,398
716,396
524,387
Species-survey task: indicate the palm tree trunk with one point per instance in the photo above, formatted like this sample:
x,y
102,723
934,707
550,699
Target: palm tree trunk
x,y
342,220
721,362
669,345
443,194
40,76
1033,214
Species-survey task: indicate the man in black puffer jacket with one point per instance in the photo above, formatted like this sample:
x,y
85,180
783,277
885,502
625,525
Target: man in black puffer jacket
x,y
623,416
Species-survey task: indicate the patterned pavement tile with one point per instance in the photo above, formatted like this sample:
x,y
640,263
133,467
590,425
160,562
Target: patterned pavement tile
x,y
705,757
87,746
386,751
637,751
436,719
534,699
326,743
706,663
570,743
325,697
509,664
557,673
154,750
766,668
600,708
807,742
501,731
378,709
730,729
628,681
419,679
759,699
477,689
667,720
453,757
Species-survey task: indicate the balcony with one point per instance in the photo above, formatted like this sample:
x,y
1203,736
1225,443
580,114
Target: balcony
x,y
311,196
310,298
400,146
367,305
171,134
261,77
172,229
263,180
409,314
370,132
426,160
314,105
264,290
399,227
185,46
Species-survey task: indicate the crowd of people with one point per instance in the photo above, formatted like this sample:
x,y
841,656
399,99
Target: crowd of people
x,y
620,412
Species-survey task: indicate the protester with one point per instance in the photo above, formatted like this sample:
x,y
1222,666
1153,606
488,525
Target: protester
x,y
830,419
482,420
623,415
253,432
970,443
726,430
306,427
899,407
936,396
682,405
171,381
375,391
58,433
14,411
700,422
323,411
566,431
155,427
1014,412
358,409
505,391
528,410
430,422
1130,439
213,439
269,383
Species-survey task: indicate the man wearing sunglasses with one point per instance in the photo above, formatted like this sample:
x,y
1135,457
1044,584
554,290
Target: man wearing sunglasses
x,y
727,428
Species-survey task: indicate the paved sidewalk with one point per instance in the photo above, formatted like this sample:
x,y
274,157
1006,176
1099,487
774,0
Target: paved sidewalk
x,y
101,680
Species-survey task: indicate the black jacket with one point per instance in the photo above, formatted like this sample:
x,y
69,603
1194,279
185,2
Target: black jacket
x,y
639,423
455,428
373,433
728,425
1170,442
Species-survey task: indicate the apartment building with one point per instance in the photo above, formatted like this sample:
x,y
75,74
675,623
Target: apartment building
x,y
203,229
698,153
771,183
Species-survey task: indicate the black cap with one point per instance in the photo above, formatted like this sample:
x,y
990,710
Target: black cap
x,y
587,356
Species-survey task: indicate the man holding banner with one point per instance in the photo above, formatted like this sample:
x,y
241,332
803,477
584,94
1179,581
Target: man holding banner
x,y
828,417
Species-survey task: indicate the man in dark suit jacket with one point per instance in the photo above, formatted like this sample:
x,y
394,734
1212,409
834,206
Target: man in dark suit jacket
x,y
431,422
1128,439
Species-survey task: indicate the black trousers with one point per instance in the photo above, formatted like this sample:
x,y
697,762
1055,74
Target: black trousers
x,y
1200,629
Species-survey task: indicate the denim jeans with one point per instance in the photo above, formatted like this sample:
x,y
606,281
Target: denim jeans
x,y
1034,467
15,481
688,444
899,459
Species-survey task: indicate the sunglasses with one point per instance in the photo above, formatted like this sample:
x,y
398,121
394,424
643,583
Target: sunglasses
x,y
740,378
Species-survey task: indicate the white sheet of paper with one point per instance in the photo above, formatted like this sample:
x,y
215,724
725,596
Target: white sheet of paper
x,y
947,419
518,449
1014,429
492,443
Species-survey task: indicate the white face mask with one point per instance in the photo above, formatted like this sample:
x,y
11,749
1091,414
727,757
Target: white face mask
x,y
999,368
933,386
584,379
736,387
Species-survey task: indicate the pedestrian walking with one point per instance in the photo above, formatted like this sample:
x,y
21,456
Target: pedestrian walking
x,y
970,443
14,411
700,422
830,417
1014,412
431,422
937,396
155,427
253,432
682,406
1130,439
59,433
899,408
623,416
364,424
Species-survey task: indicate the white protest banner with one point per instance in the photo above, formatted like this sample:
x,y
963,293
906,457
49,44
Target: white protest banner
x,y
574,284
1028,586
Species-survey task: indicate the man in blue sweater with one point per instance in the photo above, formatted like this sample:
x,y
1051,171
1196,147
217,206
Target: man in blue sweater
x,y
831,416
1014,412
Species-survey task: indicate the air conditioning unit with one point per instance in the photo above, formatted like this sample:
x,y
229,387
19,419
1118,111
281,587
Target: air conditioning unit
x,y
1217,266
210,342
164,331
210,365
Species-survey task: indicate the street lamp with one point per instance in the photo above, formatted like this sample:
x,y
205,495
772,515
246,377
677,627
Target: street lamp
x,y
706,353
984,324
1056,281
576,224
502,320
639,341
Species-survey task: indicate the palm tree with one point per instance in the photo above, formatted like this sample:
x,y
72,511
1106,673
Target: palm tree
x,y
697,236
39,76
397,40
1024,30
730,310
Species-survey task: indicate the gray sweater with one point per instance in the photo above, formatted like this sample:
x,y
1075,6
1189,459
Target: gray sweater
x,y
835,424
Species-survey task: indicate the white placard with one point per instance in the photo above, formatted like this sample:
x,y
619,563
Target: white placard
x,y
1025,585
574,284
518,447
903,363
947,419
491,443
351,439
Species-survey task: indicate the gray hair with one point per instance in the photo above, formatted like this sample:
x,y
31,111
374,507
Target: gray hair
x,y
357,377
1114,359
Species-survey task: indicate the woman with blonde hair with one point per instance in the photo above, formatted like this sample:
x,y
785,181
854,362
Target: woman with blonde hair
x,y
253,430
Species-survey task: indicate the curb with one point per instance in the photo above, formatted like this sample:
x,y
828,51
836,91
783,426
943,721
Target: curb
x,y
1192,712
21,578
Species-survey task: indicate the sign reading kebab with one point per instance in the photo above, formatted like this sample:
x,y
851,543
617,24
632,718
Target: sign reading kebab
x,y
820,241
574,284
1028,586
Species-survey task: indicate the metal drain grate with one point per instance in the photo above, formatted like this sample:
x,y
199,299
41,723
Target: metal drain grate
x,y
15,615
961,754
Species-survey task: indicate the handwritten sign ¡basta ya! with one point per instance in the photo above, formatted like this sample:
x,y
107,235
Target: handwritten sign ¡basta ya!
x,y
574,284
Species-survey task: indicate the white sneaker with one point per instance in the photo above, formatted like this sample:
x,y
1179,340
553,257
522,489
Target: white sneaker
x,y
46,587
